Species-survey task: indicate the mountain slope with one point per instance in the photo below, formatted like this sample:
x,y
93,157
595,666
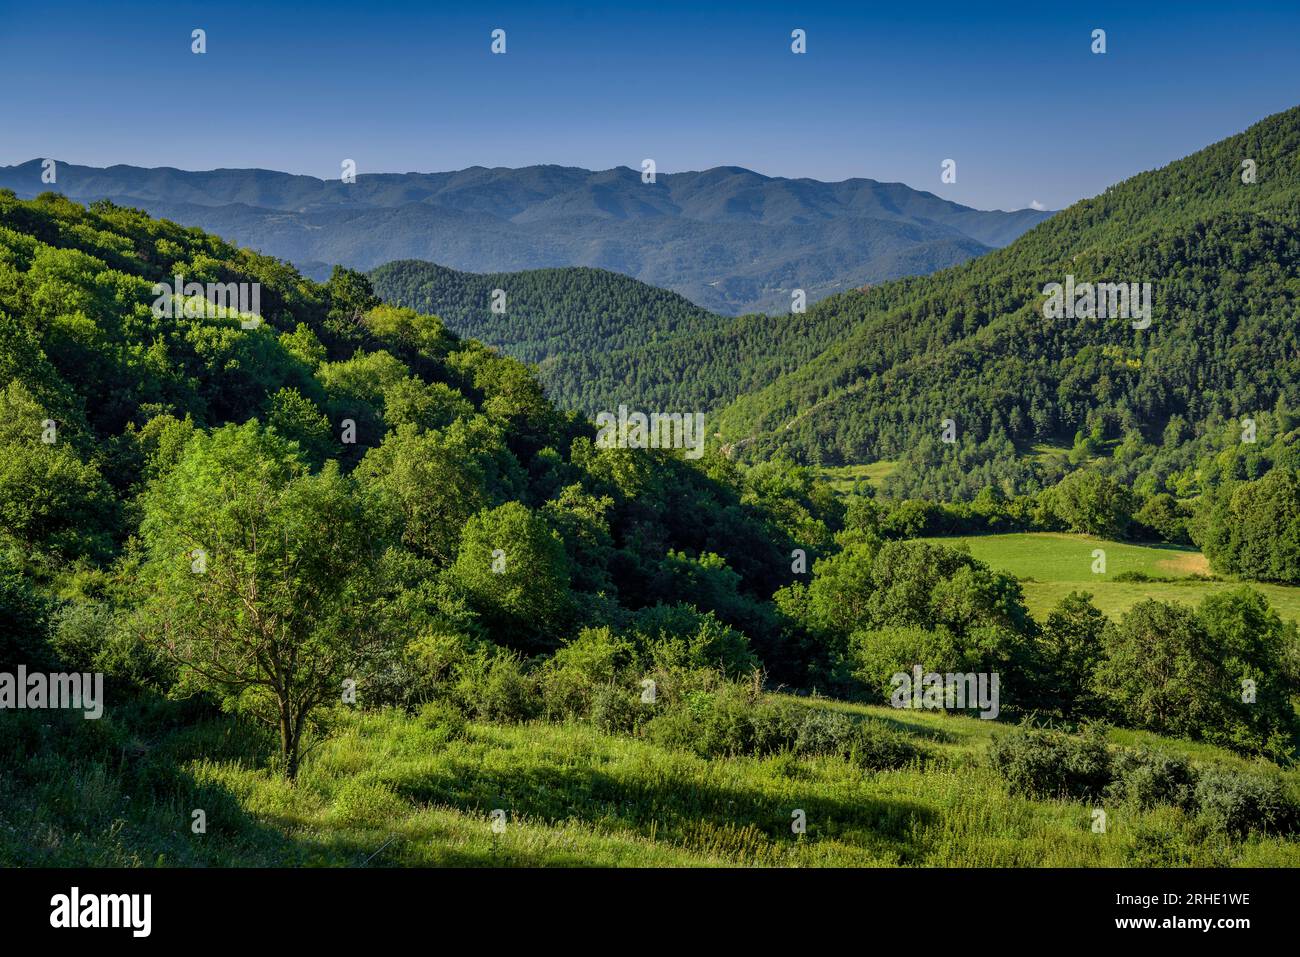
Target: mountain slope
x,y
545,312
557,318
729,239
601,339
972,343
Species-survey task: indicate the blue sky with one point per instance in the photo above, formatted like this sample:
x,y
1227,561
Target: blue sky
x,y
886,91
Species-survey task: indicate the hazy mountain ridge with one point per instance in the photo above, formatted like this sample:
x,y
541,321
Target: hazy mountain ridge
x,y
729,239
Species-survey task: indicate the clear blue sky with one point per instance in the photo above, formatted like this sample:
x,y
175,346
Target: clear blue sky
x,y
886,91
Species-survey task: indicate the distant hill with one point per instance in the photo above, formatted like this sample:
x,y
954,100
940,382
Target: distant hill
x,y
729,239
547,312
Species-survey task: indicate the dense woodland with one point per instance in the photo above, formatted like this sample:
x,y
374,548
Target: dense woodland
x,y
392,504
971,344
550,317
872,374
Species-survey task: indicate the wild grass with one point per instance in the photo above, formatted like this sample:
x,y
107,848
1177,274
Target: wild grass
x,y
841,478
389,789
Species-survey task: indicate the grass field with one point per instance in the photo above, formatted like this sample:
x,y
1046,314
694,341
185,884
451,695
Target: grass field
x,y
1053,564
387,789
841,477
1047,452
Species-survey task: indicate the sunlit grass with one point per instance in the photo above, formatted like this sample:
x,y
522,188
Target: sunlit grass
x,y
387,790
841,478
1055,564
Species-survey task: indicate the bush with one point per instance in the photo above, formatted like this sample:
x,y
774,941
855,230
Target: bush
x,y
880,748
733,719
679,636
736,720
616,709
1043,763
443,719
1135,575
823,731
572,677
434,659
1238,803
492,686
362,803
1149,778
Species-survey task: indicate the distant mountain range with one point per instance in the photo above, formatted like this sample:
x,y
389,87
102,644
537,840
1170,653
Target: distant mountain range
x,y
728,239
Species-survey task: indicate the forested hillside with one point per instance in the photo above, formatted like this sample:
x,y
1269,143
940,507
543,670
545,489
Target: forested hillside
x,y
551,317
300,542
972,344
873,374
136,435
600,338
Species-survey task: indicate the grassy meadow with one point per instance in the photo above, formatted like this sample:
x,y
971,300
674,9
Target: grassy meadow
x,y
388,789
1051,565
842,478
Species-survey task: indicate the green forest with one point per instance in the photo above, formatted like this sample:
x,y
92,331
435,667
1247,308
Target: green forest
x,y
303,543
872,374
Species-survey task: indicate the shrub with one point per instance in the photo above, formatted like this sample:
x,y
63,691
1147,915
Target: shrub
x,y
491,685
362,803
676,729
1043,763
736,720
1238,803
434,658
573,675
1149,778
443,719
727,721
616,709
733,719
1134,575
881,748
823,731
679,636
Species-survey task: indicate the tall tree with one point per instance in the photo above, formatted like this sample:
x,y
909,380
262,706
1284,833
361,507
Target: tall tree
x,y
259,575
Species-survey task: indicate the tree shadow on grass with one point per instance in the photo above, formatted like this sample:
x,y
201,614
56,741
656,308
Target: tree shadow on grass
x,y
125,794
120,791
682,809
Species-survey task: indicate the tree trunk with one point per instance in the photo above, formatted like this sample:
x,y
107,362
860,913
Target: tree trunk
x,y
288,740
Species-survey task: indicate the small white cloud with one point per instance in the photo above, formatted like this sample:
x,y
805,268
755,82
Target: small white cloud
x,y
1036,205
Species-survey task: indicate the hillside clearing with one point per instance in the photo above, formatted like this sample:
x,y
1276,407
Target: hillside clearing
x,y
1052,564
